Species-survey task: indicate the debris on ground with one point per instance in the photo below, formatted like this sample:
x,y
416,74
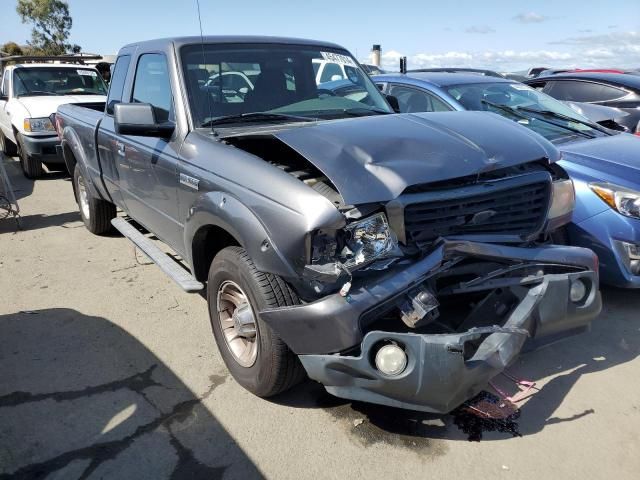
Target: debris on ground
x,y
486,413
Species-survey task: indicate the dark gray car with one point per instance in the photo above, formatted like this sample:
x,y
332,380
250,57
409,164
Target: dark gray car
x,y
396,259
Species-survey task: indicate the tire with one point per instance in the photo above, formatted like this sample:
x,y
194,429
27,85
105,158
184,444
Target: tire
x,y
7,146
95,212
275,368
31,167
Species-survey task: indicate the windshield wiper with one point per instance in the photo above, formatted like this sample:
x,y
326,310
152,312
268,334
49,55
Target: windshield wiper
x,y
84,93
255,117
562,116
37,92
517,111
362,111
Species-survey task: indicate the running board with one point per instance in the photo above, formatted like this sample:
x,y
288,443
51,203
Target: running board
x,y
157,256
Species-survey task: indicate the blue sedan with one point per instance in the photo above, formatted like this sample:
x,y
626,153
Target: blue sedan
x,y
604,165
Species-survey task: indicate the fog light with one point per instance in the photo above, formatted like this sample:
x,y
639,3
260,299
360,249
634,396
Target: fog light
x,y
578,291
630,254
391,359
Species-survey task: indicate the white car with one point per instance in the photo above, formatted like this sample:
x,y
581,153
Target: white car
x,y
29,94
329,71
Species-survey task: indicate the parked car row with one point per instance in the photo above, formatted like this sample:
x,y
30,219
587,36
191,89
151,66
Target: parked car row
x,y
397,238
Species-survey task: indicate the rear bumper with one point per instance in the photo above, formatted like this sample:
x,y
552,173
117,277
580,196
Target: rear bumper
x,y
438,377
43,148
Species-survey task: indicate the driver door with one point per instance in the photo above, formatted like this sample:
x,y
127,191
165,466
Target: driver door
x,y
150,175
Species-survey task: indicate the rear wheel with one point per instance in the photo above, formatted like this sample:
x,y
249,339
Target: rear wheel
x,y
254,354
7,146
95,212
31,167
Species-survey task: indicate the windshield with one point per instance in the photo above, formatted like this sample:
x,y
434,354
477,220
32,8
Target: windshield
x,y
292,80
490,96
57,81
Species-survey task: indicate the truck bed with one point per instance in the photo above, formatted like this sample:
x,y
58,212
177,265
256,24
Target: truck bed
x,y
84,119
84,113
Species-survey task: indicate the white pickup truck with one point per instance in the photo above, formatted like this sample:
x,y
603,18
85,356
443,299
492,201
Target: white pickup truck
x,y
31,89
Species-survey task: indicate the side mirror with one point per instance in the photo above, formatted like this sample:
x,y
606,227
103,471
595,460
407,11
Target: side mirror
x,y
393,102
139,119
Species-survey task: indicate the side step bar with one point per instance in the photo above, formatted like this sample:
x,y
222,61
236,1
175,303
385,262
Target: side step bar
x,y
157,256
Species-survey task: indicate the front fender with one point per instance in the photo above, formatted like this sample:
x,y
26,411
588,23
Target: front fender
x,y
227,212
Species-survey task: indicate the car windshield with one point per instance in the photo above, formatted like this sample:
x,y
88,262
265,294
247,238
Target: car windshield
x,y
234,82
57,81
523,101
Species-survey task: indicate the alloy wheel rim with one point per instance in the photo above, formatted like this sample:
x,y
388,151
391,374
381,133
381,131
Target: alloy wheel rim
x,y
237,323
83,197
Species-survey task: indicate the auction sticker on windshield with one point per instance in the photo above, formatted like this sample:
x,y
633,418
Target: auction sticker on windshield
x,y
87,73
338,58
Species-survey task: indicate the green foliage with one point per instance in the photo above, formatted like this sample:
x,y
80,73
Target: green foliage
x,y
51,25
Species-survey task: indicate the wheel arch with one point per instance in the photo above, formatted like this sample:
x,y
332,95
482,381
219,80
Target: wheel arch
x,y
207,241
218,213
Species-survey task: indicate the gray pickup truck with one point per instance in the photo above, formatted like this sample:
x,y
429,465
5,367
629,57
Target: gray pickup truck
x,y
397,259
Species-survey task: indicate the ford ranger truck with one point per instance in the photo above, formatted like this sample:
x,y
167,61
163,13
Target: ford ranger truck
x,y
31,89
396,259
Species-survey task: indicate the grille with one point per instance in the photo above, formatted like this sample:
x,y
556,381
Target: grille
x,y
518,210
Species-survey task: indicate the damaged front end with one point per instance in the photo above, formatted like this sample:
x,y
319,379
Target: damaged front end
x,y
430,334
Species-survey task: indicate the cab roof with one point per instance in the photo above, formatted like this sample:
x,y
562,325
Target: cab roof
x,y
196,40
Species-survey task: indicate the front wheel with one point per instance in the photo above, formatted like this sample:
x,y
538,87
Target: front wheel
x,y
95,212
31,167
254,354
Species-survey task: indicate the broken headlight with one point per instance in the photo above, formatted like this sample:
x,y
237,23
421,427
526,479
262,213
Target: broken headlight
x,y
368,241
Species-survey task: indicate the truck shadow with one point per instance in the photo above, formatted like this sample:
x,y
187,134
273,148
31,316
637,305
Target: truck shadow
x,y
80,397
614,340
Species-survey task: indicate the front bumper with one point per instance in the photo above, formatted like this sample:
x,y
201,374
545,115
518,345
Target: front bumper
x,y
603,233
43,148
438,377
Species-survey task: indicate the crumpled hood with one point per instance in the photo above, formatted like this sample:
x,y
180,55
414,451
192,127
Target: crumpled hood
x,y
373,159
618,155
43,106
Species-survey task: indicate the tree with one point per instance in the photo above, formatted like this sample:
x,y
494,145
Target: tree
x,y
51,25
12,48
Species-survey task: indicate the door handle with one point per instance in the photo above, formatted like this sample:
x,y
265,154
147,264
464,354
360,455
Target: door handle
x,y
120,148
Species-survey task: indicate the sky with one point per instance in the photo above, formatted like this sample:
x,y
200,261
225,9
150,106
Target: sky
x,y
506,35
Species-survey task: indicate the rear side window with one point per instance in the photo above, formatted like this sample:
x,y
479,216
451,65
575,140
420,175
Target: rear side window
x,y
151,85
583,91
117,82
412,100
